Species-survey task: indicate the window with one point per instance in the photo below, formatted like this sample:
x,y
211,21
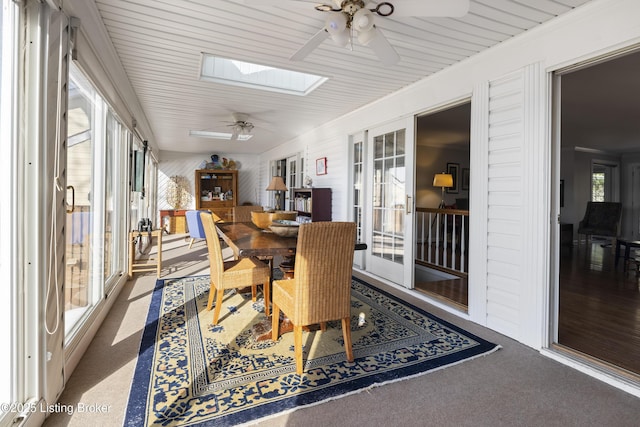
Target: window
x,y
604,181
597,187
8,353
256,76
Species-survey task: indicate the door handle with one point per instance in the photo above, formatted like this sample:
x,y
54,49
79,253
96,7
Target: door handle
x,y
407,204
73,198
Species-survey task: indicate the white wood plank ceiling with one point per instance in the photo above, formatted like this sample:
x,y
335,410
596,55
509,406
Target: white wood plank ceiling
x,y
160,42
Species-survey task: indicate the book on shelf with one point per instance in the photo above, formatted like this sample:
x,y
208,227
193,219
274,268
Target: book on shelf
x,y
303,204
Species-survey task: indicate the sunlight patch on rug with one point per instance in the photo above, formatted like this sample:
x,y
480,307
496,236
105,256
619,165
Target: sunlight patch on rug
x,y
190,372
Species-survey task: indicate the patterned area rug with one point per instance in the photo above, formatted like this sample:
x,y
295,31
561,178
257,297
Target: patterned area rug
x,y
190,372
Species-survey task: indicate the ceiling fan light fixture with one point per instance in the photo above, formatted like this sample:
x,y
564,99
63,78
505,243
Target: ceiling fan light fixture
x,y
362,20
365,37
341,39
336,23
242,128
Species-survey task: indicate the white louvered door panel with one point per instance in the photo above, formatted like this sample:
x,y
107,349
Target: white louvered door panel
x,y
517,205
504,204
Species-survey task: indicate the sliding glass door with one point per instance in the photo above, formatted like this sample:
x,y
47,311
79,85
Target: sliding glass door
x,y
84,113
97,159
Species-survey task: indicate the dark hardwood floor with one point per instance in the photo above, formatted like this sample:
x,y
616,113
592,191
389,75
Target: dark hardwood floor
x,y
599,312
599,305
454,292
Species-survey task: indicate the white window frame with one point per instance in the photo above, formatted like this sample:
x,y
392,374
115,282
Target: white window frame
x,y
10,321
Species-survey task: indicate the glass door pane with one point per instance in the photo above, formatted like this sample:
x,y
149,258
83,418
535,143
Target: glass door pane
x,y
80,212
389,205
293,180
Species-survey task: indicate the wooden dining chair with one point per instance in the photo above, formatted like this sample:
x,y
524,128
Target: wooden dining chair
x,y
320,290
238,273
243,213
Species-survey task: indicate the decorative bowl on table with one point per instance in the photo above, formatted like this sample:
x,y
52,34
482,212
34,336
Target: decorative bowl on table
x,y
263,219
284,227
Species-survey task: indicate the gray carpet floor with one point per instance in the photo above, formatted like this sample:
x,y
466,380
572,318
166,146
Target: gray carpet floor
x,y
515,386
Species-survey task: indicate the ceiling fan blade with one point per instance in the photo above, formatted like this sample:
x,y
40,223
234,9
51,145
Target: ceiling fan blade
x,y
310,45
383,49
424,8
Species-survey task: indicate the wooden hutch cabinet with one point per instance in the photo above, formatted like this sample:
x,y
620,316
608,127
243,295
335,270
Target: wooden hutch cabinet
x,y
312,204
216,189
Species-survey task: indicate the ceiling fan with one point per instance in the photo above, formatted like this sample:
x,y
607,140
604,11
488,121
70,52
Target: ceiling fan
x,y
240,126
349,20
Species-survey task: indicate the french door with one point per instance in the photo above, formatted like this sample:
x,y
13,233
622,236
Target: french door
x,y
293,179
390,201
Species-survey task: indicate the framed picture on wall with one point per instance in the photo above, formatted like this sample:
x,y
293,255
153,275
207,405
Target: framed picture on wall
x,y
321,166
454,169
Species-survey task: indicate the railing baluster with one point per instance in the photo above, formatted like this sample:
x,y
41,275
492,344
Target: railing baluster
x,y
463,244
429,240
437,251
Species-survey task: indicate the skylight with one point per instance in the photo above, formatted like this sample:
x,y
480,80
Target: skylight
x,y
256,76
218,135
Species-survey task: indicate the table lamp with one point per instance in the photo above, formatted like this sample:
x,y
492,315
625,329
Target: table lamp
x,y
277,185
443,180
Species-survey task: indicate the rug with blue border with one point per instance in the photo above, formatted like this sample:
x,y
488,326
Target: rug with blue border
x,y
191,373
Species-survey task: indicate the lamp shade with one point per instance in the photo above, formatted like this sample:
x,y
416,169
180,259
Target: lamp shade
x,y
443,180
277,184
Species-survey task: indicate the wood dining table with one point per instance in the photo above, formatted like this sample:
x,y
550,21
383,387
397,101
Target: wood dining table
x,y
247,240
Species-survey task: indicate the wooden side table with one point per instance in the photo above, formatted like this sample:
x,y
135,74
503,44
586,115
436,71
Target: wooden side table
x,y
176,220
628,244
148,264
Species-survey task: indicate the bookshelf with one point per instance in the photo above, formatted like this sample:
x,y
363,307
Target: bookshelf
x,y
216,189
312,204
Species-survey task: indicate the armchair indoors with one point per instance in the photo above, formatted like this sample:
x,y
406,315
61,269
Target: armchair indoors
x,y
196,231
600,219
238,273
321,288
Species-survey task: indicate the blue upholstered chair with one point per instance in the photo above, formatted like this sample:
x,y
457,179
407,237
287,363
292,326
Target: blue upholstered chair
x,y
194,223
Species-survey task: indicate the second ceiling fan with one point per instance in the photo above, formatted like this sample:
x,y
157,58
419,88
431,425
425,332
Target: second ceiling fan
x,y
349,20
